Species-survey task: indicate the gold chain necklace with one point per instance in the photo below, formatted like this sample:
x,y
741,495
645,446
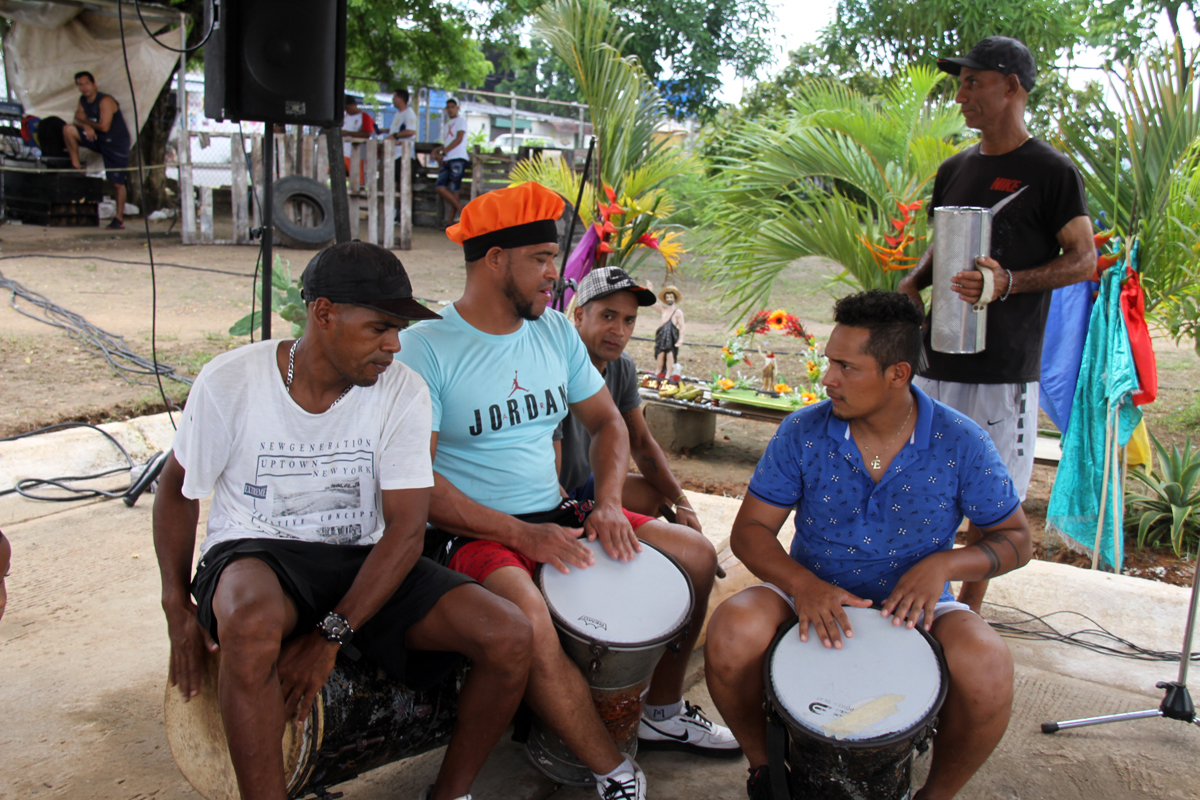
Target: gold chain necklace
x,y
876,463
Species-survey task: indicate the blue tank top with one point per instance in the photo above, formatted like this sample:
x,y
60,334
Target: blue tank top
x,y
117,134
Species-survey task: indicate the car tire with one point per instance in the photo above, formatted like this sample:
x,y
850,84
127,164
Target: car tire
x,y
293,234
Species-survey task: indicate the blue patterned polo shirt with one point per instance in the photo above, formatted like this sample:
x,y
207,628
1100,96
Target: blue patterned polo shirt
x,y
863,536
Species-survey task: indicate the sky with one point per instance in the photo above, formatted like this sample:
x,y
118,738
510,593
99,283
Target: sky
x,y
800,22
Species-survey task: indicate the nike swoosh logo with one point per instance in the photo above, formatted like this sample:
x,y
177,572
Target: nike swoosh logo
x,y
677,737
997,422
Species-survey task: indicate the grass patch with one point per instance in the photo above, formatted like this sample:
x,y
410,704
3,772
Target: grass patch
x,y
1184,418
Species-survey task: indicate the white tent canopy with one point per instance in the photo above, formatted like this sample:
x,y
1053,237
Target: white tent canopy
x,y
50,41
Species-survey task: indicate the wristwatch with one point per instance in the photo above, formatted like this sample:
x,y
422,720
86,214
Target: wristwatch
x,y
336,628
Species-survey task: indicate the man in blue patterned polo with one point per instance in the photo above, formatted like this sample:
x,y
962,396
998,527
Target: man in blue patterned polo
x,y
880,477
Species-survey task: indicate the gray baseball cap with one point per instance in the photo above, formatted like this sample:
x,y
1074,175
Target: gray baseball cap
x,y
609,280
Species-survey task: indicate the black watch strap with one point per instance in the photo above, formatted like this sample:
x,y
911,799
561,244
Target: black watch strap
x,y
336,628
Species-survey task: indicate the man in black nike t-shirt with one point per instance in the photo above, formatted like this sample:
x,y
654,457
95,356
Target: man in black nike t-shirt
x,y
1041,241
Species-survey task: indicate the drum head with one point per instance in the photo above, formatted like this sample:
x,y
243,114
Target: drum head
x,y
884,682
197,738
640,602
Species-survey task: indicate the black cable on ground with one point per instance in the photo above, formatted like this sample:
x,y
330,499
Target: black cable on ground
x,y
24,486
1096,639
146,221
109,345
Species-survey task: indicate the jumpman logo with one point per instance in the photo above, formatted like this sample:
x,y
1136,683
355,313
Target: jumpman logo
x,y
516,386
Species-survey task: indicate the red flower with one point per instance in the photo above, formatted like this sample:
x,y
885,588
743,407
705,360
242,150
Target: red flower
x,y
604,247
649,241
892,240
612,196
612,210
899,224
1103,237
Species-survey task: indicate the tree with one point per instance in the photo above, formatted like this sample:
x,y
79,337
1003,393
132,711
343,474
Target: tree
x,y
840,175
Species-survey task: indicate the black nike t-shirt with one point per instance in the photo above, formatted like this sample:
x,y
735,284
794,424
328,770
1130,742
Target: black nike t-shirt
x,y
1024,236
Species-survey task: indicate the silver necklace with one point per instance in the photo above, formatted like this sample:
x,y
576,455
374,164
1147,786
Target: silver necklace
x,y
876,463
292,369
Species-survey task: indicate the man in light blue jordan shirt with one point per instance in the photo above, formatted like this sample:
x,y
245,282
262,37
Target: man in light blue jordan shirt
x,y
502,372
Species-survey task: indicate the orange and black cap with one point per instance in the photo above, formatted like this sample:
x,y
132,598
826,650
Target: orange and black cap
x,y
517,216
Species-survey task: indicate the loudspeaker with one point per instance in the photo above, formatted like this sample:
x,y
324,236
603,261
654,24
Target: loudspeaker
x,y
281,61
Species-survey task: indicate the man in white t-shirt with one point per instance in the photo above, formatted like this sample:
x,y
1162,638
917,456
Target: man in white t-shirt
x,y
316,453
454,157
404,121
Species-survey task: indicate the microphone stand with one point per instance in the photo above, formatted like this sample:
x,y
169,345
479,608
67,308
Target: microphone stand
x,y
1177,701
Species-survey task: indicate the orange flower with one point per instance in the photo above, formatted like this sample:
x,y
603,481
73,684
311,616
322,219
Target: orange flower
x,y
612,196
782,388
777,319
808,398
725,384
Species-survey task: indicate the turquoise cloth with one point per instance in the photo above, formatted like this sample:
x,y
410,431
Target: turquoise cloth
x,y
1107,379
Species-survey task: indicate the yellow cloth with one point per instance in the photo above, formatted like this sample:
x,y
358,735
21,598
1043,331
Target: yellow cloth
x,y
1138,451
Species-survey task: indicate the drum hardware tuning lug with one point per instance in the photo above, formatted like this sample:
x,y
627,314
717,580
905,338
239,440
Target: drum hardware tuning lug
x,y
676,645
598,651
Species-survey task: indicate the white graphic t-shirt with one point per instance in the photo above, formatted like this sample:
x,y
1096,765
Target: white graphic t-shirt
x,y
496,402
278,472
453,126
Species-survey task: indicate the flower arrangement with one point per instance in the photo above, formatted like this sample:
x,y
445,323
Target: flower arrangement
x,y
626,227
765,322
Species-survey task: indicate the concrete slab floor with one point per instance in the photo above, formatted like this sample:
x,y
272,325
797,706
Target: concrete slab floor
x,y
83,654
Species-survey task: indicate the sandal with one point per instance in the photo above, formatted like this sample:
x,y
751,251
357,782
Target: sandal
x,y
116,225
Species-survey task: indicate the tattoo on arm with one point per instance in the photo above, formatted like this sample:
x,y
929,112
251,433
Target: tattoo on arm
x,y
987,543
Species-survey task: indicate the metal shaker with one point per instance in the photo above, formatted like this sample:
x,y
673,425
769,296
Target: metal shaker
x,y
961,234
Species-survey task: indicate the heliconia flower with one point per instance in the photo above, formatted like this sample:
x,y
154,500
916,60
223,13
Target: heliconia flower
x,y
892,240
648,241
907,209
1103,237
612,196
604,247
1104,262
899,224
608,228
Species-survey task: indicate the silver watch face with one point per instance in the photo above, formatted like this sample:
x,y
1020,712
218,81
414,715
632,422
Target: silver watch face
x,y
335,626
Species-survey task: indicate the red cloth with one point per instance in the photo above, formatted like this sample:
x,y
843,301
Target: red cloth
x,y
479,559
1133,308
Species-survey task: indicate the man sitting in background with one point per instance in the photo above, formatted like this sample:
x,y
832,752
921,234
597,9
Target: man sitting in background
x,y
357,126
605,312
100,127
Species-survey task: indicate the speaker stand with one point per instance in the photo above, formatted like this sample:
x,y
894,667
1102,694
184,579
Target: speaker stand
x,y
1177,701
268,224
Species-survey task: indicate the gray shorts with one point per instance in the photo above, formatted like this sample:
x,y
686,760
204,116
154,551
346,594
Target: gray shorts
x,y
1007,411
942,607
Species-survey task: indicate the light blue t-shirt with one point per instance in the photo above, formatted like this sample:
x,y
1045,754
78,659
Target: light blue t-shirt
x,y
496,402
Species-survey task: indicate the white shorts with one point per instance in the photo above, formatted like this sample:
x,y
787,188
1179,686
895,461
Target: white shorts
x,y
943,607
1007,411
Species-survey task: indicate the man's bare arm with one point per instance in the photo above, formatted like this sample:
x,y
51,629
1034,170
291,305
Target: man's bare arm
x,y
452,511
918,278
1076,263
609,457
175,518
108,107
653,464
755,541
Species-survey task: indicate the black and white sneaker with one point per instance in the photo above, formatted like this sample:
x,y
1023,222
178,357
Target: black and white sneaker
x,y
688,731
626,786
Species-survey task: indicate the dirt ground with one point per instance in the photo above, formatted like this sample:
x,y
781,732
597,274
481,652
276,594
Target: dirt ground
x,y
104,277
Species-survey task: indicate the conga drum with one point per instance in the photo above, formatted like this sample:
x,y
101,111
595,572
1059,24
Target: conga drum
x,y
360,720
615,620
855,718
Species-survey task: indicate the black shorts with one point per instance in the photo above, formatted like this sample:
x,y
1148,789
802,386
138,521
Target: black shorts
x,y
317,576
115,155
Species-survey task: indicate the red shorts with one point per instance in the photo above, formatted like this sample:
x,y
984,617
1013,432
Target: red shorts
x,y
479,559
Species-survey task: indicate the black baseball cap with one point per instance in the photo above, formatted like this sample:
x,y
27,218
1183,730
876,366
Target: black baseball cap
x,y
364,275
610,280
352,99
1000,53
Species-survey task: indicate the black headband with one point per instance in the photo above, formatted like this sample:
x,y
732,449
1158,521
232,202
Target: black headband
x,y
537,232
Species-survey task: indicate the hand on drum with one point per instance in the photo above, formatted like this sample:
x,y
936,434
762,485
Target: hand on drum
x,y
304,666
189,640
609,524
820,603
555,545
969,284
917,591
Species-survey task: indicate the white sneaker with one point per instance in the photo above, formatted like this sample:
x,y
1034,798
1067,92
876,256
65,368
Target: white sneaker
x,y
625,786
428,790
689,731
